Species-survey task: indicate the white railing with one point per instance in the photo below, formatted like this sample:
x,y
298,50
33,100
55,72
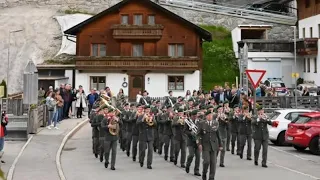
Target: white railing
x,y
231,10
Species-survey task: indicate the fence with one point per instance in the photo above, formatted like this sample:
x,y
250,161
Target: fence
x,y
308,102
38,117
14,106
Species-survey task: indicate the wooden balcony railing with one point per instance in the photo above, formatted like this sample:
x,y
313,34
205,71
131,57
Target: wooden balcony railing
x,y
137,32
137,63
260,45
307,46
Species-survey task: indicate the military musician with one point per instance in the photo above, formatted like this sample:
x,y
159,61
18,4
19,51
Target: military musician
x,y
261,136
135,130
146,124
222,118
166,120
125,118
245,131
179,137
145,99
235,135
227,111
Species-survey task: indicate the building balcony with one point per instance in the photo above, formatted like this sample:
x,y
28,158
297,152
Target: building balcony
x,y
137,32
138,63
261,45
307,46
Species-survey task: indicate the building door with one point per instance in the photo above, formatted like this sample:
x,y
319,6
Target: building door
x,y
136,84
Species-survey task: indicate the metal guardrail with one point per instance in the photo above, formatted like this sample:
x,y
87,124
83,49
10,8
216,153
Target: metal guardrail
x,y
240,12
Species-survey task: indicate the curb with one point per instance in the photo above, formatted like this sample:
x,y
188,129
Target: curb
x,y
13,166
63,143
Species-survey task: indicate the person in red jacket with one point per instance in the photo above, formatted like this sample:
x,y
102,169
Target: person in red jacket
x,y
3,132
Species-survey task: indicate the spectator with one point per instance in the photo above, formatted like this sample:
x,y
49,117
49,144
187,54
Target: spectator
x,y
3,132
305,92
67,100
188,95
81,102
92,97
59,105
49,91
73,105
53,113
138,97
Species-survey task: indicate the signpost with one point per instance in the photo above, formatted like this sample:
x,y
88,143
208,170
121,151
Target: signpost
x,y
255,77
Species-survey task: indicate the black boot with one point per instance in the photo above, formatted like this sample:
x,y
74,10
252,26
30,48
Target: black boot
x,y
106,165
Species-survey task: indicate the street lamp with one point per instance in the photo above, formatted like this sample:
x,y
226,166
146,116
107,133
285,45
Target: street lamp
x,y
295,65
8,63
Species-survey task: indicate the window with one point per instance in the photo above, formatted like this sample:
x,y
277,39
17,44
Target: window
x,y
98,50
98,82
308,65
176,83
293,115
317,1
315,65
137,19
303,32
137,50
319,29
151,20
176,50
274,115
307,3
304,65
311,33
124,19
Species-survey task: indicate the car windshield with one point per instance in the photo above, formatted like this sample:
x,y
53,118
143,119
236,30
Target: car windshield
x,y
277,85
301,119
274,115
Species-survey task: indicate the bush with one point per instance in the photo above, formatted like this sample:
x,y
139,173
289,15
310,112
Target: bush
x,y
219,62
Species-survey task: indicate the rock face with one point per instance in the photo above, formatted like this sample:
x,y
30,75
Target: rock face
x,y
41,35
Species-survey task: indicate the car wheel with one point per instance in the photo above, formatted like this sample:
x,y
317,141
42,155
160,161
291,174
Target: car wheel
x,y
274,142
314,146
299,148
281,139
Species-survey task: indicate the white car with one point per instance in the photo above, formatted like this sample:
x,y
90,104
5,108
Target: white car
x,y
280,120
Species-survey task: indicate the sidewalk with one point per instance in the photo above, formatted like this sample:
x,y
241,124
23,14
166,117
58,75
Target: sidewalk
x,y
11,151
38,159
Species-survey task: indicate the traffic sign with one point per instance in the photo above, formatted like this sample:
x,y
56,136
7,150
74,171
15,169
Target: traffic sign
x,y
255,76
295,75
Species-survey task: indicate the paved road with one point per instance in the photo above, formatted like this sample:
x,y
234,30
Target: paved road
x,y
79,163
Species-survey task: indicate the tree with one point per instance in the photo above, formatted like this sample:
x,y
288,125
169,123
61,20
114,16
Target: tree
x,y
3,83
219,62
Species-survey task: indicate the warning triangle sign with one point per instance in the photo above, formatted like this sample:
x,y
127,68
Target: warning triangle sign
x,y
255,76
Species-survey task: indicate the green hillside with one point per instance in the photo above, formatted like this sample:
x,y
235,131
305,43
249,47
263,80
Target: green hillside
x,y
219,62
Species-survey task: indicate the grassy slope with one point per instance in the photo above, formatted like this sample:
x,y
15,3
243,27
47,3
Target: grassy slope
x,y
220,64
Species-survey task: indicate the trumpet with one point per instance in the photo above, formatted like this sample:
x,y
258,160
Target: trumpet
x,y
148,118
226,109
236,114
192,126
222,116
248,115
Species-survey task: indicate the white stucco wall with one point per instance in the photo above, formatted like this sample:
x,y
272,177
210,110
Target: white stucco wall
x,y
60,81
312,76
276,64
68,73
313,22
158,85
113,80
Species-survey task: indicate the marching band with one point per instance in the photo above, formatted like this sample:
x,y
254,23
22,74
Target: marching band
x,y
197,125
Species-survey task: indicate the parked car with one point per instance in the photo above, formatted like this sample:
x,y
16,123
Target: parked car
x,y
280,120
303,132
278,84
313,89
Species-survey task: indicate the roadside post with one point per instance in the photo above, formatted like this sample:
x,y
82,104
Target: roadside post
x,y
255,77
295,76
30,91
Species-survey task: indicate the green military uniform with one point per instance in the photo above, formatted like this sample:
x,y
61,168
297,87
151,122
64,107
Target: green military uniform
x,y
245,131
125,115
110,144
235,136
208,137
223,124
170,101
192,145
155,110
160,126
261,137
180,140
98,119
95,134
167,135
135,134
228,128
146,139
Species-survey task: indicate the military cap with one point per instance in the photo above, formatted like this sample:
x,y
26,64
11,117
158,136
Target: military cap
x,y
131,105
190,99
220,102
219,107
157,101
226,102
210,98
259,107
147,106
210,106
245,107
194,112
110,109
126,104
104,107
180,110
235,106
202,107
139,105
208,112
169,106
181,99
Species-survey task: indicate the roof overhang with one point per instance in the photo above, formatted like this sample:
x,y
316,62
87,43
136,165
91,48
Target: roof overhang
x,y
251,26
56,66
51,78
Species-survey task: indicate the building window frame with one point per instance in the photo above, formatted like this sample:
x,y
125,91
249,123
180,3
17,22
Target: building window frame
x,y
136,48
99,47
308,65
176,50
319,29
303,32
304,64
122,22
138,21
151,17
311,32
174,82
98,82
315,65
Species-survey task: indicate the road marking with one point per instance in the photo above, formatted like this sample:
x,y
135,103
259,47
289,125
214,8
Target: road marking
x,y
295,171
13,166
63,143
292,154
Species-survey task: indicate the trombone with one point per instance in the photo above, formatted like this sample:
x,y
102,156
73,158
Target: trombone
x,y
104,102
